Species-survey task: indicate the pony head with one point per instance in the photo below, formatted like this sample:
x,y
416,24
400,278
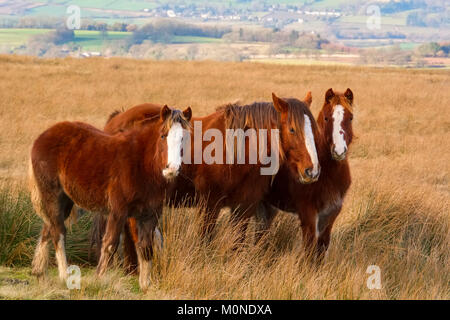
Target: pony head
x,y
174,124
335,119
297,132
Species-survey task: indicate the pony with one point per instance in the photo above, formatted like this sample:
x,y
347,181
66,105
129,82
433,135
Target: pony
x,y
121,176
136,116
242,186
318,205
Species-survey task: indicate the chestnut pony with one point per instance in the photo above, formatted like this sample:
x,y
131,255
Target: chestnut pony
x,y
242,186
318,204
120,176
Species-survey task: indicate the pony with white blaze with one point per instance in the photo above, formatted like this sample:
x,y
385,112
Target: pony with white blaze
x,y
318,204
120,176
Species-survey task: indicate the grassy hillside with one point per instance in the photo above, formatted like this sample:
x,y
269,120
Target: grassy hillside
x,y
396,214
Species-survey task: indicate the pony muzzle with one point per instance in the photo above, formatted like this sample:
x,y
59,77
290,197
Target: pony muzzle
x,y
310,175
170,172
338,156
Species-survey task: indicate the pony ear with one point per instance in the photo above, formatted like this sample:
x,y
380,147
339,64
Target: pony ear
x,y
165,112
187,113
279,104
308,99
329,95
349,95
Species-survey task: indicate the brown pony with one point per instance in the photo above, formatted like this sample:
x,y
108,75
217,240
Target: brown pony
x,y
318,204
241,186
122,176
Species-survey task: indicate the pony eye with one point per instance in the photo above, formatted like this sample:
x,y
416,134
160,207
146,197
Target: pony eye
x,y
292,130
351,118
163,136
326,118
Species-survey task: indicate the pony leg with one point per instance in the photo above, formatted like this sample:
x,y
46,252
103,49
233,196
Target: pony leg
x,y
308,218
65,205
210,215
158,238
130,242
325,224
264,216
240,219
111,239
129,246
53,206
59,240
241,223
98,232
55,209
144,247
40,259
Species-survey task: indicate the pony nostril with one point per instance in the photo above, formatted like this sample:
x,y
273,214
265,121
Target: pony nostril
x,y
308,172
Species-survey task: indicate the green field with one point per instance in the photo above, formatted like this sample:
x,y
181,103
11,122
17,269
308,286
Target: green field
x,y
193,39
18,37
130,5
94,40
88,40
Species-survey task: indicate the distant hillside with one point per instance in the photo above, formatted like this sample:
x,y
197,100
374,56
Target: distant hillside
x,y
234,30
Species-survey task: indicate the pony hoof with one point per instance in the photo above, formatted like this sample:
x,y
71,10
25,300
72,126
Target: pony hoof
x,y
39,275
144,284
101,272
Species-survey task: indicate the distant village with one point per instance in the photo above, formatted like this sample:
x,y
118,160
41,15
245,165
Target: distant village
x,y
266,15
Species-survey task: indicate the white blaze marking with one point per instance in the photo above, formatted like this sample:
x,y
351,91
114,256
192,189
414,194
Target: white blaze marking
x,y
310,145
174,144
338,138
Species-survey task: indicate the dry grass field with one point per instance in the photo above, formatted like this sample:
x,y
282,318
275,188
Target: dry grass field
x,y
396,215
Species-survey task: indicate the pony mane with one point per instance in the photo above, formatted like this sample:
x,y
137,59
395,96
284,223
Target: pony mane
x,y
263,115
113,115
176,116
339,98
258,115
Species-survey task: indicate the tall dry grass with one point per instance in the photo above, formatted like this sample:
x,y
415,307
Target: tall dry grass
x,y
396,214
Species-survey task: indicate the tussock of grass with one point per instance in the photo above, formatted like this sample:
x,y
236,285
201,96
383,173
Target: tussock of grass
x,y
20,228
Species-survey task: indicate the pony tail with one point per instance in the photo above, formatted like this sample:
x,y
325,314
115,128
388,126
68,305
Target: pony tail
x,y
35,193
